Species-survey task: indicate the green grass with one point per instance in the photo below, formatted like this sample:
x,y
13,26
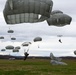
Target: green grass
x,y
36,67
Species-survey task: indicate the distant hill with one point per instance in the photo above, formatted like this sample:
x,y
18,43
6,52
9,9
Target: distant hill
x,y
32,57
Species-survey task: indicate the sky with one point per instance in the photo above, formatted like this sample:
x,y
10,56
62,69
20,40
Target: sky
x,y
26,32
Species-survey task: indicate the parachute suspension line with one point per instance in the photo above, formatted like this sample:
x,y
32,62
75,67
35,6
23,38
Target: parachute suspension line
x,y
38,46
28,47
24,51
27,50
11,4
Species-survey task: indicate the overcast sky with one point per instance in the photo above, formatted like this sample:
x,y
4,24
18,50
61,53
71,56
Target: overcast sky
x,y
27,32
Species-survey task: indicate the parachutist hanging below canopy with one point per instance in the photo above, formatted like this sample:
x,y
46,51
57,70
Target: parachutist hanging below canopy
x,y
26,54
60,41
59,38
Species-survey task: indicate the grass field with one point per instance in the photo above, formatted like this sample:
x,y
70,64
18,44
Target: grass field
x,y
36,67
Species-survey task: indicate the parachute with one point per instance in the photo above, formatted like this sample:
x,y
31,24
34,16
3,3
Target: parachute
x,y
17,47
37,39
32,11
56,11
9,47
75,52
15,50
10,31
26,43
1,37
56,60
26,11
59,38
58,18
3,50
13,38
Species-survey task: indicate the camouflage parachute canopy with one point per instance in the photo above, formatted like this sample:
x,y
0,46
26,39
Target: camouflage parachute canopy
x,y
37,39
9,47
27,11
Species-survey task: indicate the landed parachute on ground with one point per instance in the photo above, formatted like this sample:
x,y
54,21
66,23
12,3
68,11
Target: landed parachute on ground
x,y
56,60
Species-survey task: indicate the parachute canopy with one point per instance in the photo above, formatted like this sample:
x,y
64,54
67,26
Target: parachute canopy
x,y
26,11
56,11
17,47
32,11
26,43
37,39
58,18
3,50
9,47
15,50
1,37
75,52
10,31
13,38
59,35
